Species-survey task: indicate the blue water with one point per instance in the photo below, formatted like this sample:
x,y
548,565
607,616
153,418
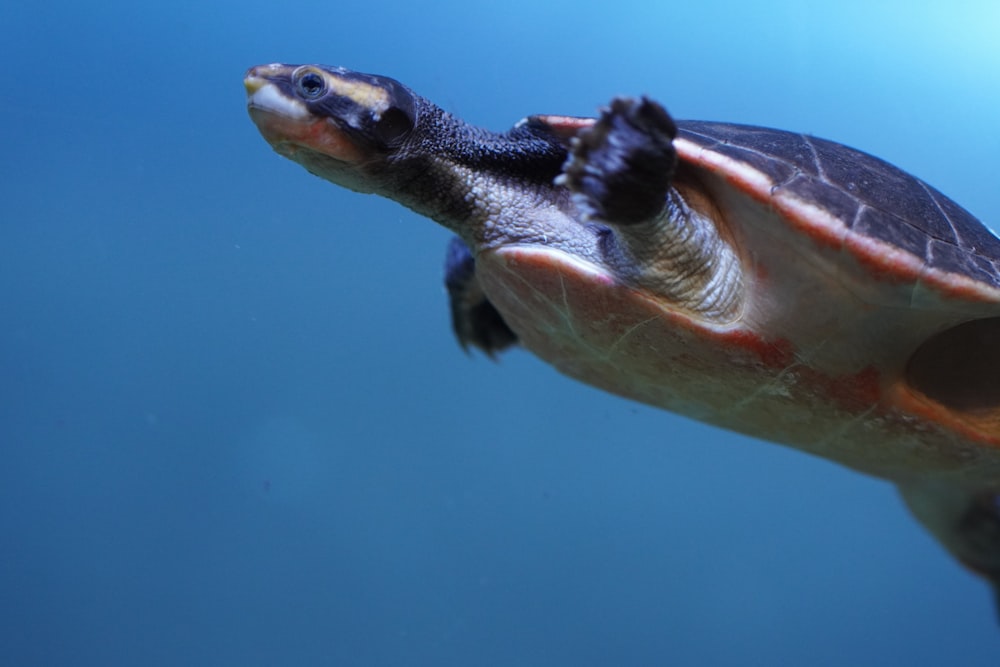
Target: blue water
x,y
234,426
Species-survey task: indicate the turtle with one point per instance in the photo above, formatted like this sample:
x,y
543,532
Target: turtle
x,y
768,282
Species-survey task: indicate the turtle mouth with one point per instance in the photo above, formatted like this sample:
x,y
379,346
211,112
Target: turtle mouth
x,y
290,128
264,95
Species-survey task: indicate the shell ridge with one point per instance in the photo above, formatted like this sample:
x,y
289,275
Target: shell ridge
x,y
944,214
820,172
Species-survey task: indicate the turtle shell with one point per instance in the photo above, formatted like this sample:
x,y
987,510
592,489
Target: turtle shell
x,y
848,198
869,329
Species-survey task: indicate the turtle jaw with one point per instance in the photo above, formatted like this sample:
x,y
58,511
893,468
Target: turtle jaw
x,y
290,128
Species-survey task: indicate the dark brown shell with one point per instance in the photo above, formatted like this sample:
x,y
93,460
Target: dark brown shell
x,y
868,195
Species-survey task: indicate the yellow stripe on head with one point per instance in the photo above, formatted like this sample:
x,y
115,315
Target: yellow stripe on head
x,y
363,94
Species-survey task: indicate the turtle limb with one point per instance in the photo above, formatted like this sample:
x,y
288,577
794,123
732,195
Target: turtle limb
x,y
967,525
622,165
621,171
474,319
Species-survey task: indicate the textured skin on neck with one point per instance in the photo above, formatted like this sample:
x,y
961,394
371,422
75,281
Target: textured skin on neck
x,y
431,174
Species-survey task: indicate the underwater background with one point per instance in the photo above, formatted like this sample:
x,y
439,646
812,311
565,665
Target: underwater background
x,y
235,428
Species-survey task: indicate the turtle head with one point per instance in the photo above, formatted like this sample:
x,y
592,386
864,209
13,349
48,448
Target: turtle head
x,y
372,134
341,125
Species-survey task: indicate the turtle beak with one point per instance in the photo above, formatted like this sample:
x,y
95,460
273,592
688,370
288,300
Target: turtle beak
x,y
266,94
252,82
259,81
257,76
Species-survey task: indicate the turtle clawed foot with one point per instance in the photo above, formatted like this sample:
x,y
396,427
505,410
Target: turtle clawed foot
x,y
621,167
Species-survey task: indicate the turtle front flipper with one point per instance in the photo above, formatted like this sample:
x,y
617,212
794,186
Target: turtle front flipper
x,y
655,235
474,319
621,166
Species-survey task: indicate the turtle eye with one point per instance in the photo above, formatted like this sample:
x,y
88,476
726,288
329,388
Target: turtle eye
x,y
310,85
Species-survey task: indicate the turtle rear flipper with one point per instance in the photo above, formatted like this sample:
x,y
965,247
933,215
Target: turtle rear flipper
x,y
474,319
967,525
